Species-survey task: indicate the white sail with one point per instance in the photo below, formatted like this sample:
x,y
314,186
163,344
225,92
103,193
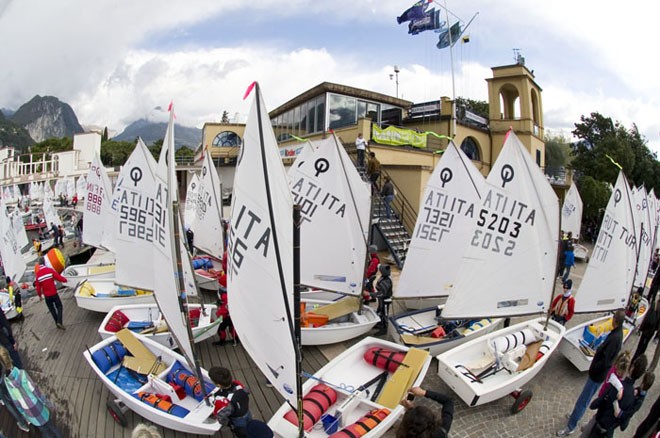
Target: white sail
x,y
166,278
60,187
333,203
19,228
447,212
260,278
135,209
191,201
50,214
653,211
644,235
571,212
307,150
10,251
98,196
81,186
609,274
208,210
70,188
509,266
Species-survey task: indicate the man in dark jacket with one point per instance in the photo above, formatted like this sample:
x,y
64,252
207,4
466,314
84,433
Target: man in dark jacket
x,y
7,340
600,365
648,328
384,295
231,401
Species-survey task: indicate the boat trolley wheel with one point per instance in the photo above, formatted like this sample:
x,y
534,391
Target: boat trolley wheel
x,y
117,409
522,400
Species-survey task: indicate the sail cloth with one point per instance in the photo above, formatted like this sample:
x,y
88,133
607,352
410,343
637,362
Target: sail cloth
x,y
644,235
98,196
191,200
509,266
571,212
50,214
208,210
260,277
135,212
611,269
19,228
334,202
447,212
10,251
165,247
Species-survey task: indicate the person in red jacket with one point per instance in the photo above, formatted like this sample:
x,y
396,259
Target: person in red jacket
x,y
370,273
563,306
45,284
223,311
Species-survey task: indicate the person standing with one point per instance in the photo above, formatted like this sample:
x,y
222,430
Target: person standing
x,y
370,273
562,254
650,423
231,401
361,146
15,296
648,328
45,284
387,193
562,308
421,421
190,238
74,201
7,340
569,257
373,170
600,365
384,295
55,232
37,247
60,235
30,402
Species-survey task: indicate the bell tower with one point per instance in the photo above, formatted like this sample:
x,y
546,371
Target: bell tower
x,y
515,102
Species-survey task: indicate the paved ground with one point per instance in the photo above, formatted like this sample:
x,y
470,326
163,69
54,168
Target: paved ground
x,y
555,389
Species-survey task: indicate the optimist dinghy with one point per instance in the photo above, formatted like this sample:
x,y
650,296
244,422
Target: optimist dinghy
x,y
448,210
608,278
76,274
139,371
103,295
518,218
173,282
261,288
334,201
8,305
147,320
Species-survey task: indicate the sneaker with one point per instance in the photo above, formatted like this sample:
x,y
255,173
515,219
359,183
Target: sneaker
x,y
23,427
60,326
565,432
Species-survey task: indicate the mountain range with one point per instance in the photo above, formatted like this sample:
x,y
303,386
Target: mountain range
x,y
46,117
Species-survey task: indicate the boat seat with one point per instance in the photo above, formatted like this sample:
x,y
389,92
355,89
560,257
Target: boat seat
x,y
339,308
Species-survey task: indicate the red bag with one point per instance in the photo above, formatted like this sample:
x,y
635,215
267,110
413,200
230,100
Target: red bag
x,y
117,321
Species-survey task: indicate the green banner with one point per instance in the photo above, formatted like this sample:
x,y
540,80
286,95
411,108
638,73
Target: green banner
x,y
398,136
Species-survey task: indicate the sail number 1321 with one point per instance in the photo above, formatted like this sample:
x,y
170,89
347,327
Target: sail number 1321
x,y
496,236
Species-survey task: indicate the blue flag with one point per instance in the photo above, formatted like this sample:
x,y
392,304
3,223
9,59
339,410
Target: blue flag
x,y
430,21
443,38
414,12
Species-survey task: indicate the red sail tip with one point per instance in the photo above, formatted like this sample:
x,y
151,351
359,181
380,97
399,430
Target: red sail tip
x,y
249,90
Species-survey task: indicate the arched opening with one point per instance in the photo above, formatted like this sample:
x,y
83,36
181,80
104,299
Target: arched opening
x,y
471,148
536,110
509,102
227,139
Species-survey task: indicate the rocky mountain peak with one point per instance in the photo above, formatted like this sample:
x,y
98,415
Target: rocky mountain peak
x,y
46,117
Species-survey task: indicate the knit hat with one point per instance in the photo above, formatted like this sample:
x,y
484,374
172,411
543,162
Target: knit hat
x,y
568,284
384,270
373,248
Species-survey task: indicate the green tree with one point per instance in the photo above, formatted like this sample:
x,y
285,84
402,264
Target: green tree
x,y
156,147
184,154
557,152
104,136
50,146
595,195
479,107
115,153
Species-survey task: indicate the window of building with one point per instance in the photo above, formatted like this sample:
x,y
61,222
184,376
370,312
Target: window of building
x,y
311,116
342,110
471,149
303,119
320,113
227,139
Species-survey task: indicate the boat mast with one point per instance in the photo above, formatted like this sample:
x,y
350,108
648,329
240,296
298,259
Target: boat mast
x,y
554,284
297,288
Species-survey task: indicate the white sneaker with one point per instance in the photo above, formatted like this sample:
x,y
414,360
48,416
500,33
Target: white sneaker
x,y
24,428
565,432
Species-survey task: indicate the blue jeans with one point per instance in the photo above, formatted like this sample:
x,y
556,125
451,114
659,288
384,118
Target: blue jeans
x,y
590,388
388,210
567,271
49,430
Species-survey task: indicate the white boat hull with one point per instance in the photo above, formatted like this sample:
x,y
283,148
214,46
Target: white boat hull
x,y
205,281
349,370
424,320
500,384
205,329
76,274
570,344
198,421
341,329
320,295
422,303
106,298
7,306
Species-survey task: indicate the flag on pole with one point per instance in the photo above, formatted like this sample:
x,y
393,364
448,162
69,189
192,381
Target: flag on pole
x,y
416,11
430,21
444,40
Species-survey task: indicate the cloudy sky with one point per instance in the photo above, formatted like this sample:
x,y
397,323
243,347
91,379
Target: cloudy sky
x,y
114,61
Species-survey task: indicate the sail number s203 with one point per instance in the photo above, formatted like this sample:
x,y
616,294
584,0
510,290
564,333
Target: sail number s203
x,y
498,233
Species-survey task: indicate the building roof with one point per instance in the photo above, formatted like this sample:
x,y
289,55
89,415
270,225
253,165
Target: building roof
x,y
341,89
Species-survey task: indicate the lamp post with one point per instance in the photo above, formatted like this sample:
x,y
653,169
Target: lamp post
x,y
396,77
